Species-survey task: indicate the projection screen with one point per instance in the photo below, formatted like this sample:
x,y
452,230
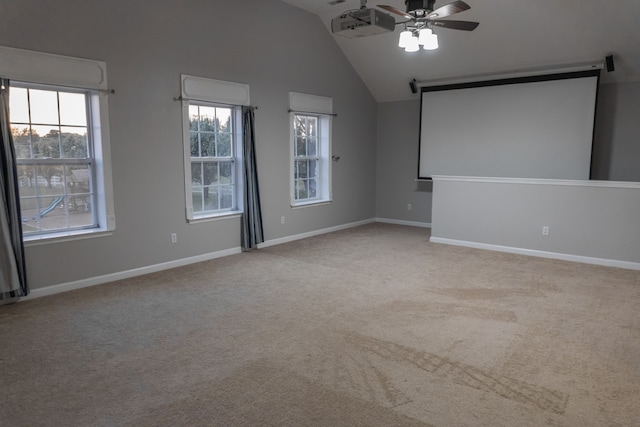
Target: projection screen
x,y
527,127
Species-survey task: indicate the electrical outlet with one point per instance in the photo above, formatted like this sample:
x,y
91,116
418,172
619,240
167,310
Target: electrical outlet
x,y
545,230
281,220
174,238
408,206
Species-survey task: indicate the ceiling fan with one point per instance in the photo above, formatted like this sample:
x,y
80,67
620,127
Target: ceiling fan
x,y
421,18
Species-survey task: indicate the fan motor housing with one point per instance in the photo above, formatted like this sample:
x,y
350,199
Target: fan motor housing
x,y
419,4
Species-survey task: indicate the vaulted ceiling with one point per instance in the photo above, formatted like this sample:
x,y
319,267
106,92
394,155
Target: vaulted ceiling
x,y
513,36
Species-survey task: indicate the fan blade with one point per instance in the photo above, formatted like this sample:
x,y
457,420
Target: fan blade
x,y
394,10
448,10
456,25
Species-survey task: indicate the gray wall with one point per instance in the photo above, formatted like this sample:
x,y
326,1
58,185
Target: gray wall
x,y
273,47
616,151
595,220
397,164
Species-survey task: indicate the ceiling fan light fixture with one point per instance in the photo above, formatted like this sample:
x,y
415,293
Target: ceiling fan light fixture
x,y
431,42
420,19
405,36
424,35
412,44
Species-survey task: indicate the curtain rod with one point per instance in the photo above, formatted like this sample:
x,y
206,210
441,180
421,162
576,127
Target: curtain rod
x,y
105,91
182,98
312,112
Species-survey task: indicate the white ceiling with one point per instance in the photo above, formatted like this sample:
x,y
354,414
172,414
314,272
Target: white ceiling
x,y
513,35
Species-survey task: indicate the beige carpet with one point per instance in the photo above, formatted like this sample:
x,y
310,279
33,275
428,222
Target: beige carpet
x,y
371,326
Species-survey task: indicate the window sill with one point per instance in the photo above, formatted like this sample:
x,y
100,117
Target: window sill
x,y
310,204
215,217
66,236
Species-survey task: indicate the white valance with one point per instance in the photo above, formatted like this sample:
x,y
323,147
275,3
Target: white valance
x,y
217,91
51,69
303,102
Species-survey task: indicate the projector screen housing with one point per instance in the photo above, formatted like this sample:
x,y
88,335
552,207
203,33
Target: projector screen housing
x,y
527,127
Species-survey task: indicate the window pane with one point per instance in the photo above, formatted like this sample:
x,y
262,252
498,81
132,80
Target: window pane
x,y
207,145
312,127
313,183
303,192
210,173
312,147
73,109
224,119
29,209
301,146
207,119
21,141
226,197
196,198
80,210
196,173
313,168
48,176
19,105
79,198
46,142
195,146
225,173
78,179
44,107
193,117
74,143
224,145
299,125
296,188
25,178
211,198
28,201
52,213
302,169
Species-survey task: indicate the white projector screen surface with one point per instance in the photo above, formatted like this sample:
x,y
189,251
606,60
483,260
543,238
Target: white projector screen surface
x,y
533,127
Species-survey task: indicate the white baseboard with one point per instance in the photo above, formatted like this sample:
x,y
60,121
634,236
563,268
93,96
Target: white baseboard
x,y
99,280
542,254
294,237
403,222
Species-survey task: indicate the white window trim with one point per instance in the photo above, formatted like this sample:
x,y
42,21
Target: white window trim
x,y
321,106
57,70
202,90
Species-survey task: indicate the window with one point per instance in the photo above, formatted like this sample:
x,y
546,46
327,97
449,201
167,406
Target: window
x,y
213,147
54,155
310,149
59,124
306,170
212,125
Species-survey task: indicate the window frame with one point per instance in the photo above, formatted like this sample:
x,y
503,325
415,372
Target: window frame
x,y
235,158
64,162
69,74
320,108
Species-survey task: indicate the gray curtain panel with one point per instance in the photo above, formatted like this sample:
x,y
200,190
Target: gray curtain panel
x,y
13,275
252,232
